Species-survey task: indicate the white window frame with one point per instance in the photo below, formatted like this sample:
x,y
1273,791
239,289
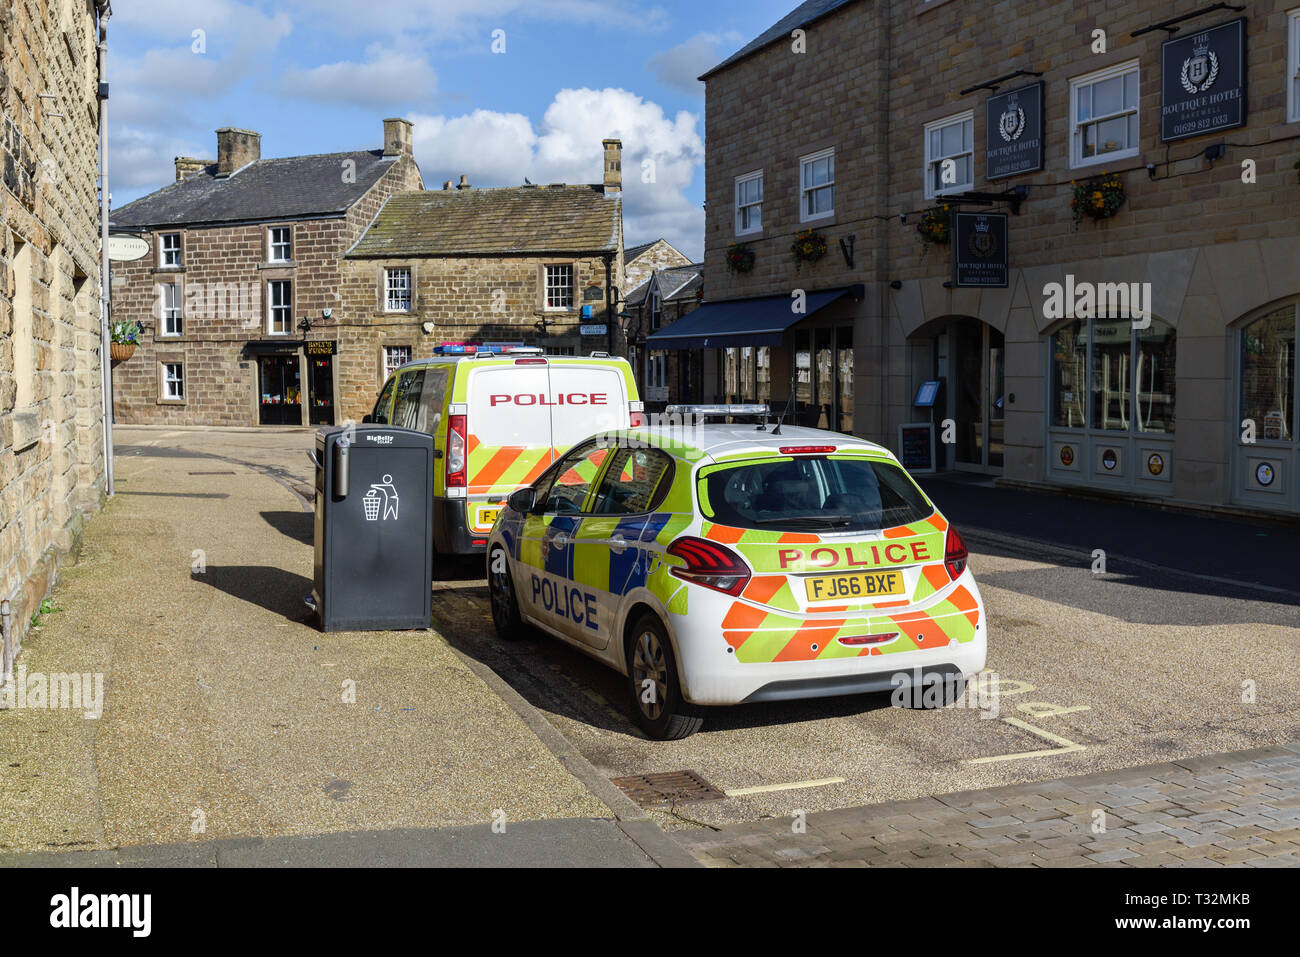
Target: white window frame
x,y
1293,66
931,160
172,383
548,285
165,250
743,208
170,319
272,307
389,353
397,303
272,244
1077,159
804,162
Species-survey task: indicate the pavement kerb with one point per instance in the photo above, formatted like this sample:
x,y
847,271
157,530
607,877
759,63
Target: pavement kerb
x,y
631,819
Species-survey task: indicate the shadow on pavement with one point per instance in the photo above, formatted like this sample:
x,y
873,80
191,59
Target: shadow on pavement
x,y
274,589
298,525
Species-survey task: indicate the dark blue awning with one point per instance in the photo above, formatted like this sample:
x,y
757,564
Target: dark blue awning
x,y
743,322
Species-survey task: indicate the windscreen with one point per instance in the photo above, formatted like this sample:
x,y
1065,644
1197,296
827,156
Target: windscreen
x,y
814,494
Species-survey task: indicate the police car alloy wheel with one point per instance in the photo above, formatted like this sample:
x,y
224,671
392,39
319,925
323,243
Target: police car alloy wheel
x,y
501,590
657,703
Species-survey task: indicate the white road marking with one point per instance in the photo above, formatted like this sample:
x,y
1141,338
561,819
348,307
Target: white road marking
x,y
793,786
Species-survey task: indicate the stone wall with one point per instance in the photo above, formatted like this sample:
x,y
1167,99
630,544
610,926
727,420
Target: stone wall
x,y
51,444
661,255
482,299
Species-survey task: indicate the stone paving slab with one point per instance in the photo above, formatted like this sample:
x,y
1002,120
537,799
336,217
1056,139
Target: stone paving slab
x,y
1239,809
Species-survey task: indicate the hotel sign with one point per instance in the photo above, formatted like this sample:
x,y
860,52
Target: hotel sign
x,y
1203,82
979,250
1013,132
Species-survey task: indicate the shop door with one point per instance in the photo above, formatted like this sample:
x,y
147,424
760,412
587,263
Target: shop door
x,y
976,402
321,389
280,390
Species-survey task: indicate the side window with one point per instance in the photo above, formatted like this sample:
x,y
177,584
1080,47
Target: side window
x,y
406,409
435,388
636,482
573,477
380,415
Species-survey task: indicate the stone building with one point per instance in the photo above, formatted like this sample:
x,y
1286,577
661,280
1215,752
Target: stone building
x,y
527,265
242,279
1178,127
641,261
670,293
51,438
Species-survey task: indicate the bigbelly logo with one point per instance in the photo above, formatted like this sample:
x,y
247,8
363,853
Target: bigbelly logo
x,y
855,556
562,398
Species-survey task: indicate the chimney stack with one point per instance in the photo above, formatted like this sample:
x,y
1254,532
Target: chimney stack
x,y
447,185
398,137
236,149
613,166
464,182
187,166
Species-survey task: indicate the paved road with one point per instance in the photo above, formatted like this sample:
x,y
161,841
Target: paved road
x,y
1140,665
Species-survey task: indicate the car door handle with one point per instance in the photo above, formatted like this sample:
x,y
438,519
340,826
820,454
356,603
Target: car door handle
x,y
560,541
618,543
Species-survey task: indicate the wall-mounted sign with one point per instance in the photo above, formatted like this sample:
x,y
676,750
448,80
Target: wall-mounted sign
x,y
979,249
124,248
1156,463
322,347
1203,82
596,330
593,293
1109,460
926,394
1067,455
1013,132
916,446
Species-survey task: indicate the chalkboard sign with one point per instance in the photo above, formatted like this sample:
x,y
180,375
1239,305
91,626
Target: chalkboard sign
x,y
916,446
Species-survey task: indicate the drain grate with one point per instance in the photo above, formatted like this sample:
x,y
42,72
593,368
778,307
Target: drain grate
x,y
671,787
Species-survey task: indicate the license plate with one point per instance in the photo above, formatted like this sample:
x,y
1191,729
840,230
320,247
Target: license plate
x,y
488,516
857,585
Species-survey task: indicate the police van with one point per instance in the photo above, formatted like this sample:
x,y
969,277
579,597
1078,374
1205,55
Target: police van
x,y
499,418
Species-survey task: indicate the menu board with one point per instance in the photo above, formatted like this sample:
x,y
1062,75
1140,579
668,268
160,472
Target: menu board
x,y
916,446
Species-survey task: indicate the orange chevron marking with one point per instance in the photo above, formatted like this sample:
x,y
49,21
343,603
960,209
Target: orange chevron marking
x,y
799,648
762,587
725,535
487,476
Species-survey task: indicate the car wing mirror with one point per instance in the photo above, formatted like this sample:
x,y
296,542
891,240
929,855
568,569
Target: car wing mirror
x,y
523,500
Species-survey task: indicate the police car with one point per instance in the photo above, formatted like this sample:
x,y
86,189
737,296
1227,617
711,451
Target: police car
x,y
726,564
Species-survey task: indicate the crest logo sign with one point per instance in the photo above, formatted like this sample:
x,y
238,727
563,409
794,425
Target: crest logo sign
x,y
1013,123
979,250
1203,82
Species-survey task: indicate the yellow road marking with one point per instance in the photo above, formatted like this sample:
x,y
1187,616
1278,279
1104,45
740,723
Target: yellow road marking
x,y
1065,745
794,786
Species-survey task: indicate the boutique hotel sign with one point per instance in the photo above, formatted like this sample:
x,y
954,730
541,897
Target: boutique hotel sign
x,y
1203,82
1013,132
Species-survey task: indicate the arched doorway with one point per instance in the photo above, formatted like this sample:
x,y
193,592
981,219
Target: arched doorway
x,y
970,359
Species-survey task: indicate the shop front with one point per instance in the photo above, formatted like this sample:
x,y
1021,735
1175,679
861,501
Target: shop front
x,y
294,382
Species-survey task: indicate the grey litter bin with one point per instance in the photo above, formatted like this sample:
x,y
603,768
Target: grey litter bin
x,y
374,529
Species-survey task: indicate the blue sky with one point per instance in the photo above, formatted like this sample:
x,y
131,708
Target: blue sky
x,y
318,76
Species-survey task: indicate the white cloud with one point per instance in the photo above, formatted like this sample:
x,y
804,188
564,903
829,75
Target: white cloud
x,y
661,156
144,158
387,77
681,66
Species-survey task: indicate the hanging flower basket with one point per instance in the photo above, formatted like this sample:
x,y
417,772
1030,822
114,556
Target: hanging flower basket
x,y
124,337
740,258
1097,198
934,227
808,247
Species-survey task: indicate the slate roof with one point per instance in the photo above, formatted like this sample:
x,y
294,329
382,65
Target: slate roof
x,y
512,220
632,252
800,16
636,295
680,282
269,189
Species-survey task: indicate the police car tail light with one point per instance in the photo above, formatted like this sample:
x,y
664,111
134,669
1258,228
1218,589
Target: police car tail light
x,y
456,445
710,564
954,554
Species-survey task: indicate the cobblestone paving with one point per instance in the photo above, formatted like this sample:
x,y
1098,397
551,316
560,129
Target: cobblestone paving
x,y
1240,809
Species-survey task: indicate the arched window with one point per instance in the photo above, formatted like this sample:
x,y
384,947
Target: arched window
x,y
1114,375
1268,362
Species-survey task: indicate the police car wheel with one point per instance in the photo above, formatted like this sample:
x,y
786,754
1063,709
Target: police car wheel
x,y
501,591
657,703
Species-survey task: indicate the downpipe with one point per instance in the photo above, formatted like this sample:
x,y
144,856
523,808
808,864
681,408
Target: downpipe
x,y
6,628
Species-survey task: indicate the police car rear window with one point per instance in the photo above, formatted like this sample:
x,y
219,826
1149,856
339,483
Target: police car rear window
x,y
815,494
